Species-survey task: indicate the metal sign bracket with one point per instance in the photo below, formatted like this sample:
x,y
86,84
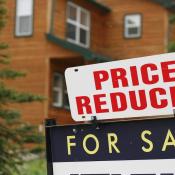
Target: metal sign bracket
x,y
95,122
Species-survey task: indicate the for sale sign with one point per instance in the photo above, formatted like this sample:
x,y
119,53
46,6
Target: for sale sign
x,y
134,88
124,148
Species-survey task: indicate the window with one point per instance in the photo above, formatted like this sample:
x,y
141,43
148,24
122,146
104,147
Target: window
x,y
78,25
65,97
132,26
59,92
24,17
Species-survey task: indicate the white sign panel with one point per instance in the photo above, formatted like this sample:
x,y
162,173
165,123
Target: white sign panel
x,y
137,167
134,88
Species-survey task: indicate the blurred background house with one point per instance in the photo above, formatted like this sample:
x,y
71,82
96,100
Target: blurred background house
x,y
47,36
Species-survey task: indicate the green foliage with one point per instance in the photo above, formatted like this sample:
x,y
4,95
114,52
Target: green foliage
x,y
3,14
34,167
172,19
3,46
171,47
10,74
15,135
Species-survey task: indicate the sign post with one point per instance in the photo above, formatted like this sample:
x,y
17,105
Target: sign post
x,y
48,124
127,89
125,148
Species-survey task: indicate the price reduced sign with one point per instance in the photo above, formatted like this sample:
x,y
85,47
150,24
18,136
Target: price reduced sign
x,y
135,88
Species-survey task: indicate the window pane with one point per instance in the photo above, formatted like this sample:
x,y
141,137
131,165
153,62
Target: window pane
x,y
24,7
25,24
133,20
133,31
84,18
57,80
72,12
83,36
57,89
71,31
56,97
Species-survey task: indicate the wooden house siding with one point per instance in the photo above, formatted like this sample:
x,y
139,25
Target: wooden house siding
x,y
40,58
154,29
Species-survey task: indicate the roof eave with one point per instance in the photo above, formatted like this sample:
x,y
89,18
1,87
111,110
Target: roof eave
x,y
101,6
168,4
86,53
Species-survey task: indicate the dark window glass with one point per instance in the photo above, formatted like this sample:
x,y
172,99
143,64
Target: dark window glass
x,y
66,101
57,80
83,36
133,31
71,31
72,13
55,96
84,18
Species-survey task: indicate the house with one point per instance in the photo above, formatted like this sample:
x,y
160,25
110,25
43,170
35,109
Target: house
x,y
47,36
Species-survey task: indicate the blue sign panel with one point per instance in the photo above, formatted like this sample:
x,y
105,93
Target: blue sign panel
x,y
138,147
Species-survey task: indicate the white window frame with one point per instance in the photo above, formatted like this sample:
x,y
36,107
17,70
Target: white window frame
x,y
79,26
59,90
62,90
127,26
17,21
